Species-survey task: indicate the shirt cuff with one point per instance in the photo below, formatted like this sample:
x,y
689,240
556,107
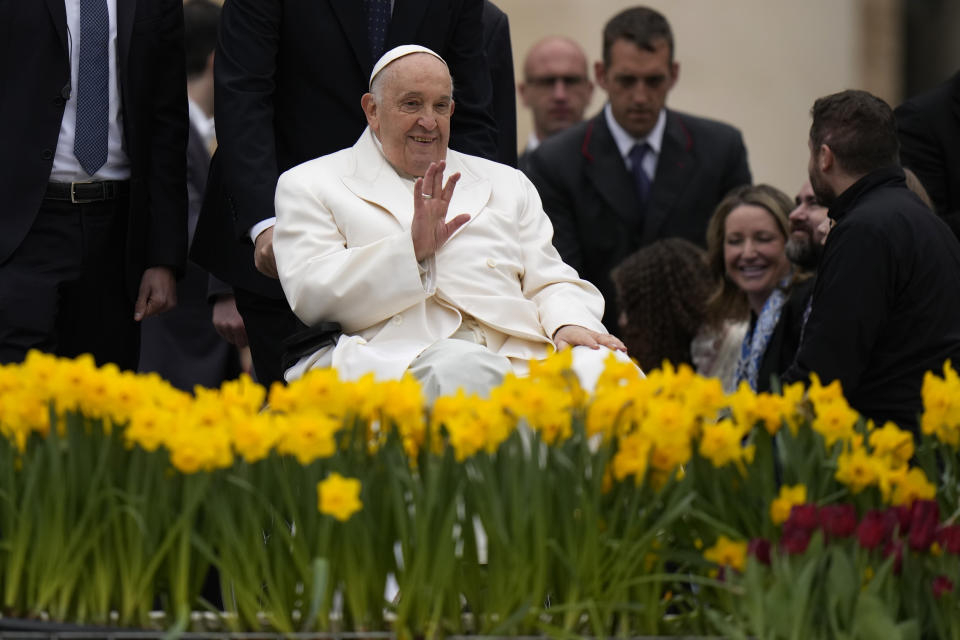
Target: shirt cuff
x,y
428,274
260,227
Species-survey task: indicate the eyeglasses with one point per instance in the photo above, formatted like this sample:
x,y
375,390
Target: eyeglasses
x,y
548,82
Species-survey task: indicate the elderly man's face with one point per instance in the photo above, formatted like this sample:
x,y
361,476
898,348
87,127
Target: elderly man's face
x,y
412,116
806,217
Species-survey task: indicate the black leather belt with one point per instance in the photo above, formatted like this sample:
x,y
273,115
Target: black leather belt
x,y
83,192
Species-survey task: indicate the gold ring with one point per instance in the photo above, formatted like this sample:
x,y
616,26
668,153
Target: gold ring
x,y
425,196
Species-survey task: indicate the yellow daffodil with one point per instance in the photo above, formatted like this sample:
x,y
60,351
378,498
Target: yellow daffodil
x,y
857,469
913,486
728,553
632,457
339,497
892,441
835,421
607,411
721,444
309,437
782,505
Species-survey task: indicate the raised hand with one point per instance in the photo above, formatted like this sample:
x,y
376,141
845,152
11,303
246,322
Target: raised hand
x,y
431,198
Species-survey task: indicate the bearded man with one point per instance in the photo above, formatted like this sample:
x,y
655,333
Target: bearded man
x,y
886,303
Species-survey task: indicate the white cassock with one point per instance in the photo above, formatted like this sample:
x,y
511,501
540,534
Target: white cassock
x,y
344,253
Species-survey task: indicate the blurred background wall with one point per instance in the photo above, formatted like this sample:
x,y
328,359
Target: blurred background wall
x,y
757,64
760,64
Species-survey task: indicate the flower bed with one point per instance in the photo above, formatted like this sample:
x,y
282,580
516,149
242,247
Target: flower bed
x,y
657,506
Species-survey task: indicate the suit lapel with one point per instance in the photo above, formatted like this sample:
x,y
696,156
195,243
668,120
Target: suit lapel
x,y
674,168
606,170
375,181
58,13
126,11
353,21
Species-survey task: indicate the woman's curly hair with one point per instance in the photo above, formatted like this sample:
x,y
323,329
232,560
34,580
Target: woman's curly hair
x,y
662,290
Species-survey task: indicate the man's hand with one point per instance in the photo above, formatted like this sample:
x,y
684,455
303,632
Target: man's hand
x,y
822,231
228,322
158,293
571,335
429,228
263,254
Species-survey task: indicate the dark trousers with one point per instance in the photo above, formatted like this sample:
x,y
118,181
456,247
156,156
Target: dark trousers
x,y
62,291
269,321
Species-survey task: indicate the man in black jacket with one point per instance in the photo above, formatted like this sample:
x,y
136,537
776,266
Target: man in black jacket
x,y
886,303
929,130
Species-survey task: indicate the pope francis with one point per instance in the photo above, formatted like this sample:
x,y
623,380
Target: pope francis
x,y
363,238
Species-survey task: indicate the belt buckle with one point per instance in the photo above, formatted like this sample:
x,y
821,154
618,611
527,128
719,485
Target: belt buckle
x,y
73,193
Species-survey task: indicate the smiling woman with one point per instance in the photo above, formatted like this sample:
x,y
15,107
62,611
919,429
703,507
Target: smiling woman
x,y
746,243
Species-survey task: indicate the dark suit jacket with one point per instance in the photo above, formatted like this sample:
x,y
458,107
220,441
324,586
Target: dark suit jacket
x,y
182,344
289,76
929,130
35,81
785,339
496,44
592,201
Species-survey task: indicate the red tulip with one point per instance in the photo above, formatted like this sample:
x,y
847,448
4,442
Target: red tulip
x,y
941,585
874,529
949,538
803,516
760,549
902,513
794,539
924,518
838,520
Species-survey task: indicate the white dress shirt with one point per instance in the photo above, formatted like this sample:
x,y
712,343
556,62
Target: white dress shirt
x,y
625,141
66,167
202,123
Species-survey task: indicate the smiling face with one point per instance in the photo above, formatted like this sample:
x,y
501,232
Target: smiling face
x,y
409,112
637,82
754,253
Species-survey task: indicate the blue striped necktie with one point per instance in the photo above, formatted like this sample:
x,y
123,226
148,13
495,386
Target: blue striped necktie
x,y
93,88
637,154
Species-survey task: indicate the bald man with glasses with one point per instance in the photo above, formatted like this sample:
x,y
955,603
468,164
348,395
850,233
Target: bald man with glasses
x,y
556,88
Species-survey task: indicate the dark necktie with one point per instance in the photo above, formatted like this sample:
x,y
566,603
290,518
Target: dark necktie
x,y
637,154
378,19
93,90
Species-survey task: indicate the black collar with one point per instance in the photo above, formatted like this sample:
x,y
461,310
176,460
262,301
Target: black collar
x,y
877,178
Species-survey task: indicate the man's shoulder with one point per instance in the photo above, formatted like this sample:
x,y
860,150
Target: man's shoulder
x,y
484,168
890,213
702,127
940,97
331,165
562,149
